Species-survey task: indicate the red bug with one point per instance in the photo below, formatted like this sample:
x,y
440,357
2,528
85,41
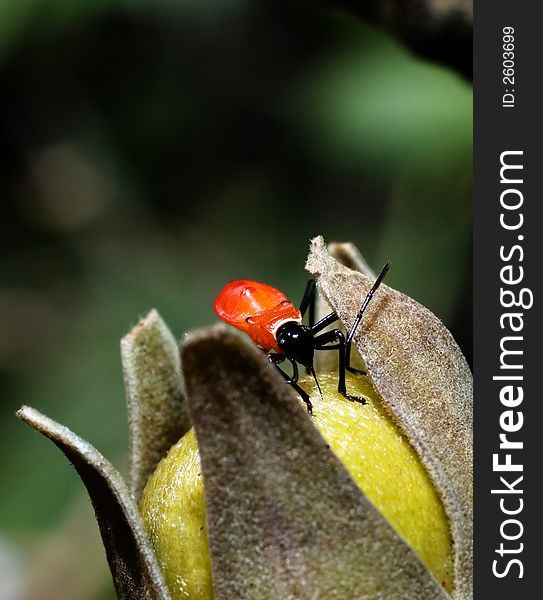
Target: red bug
x,y
275,324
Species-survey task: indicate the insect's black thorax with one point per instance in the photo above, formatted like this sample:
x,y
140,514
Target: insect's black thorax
x,y
296,341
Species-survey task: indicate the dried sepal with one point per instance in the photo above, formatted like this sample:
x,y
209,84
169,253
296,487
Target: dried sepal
x,y
157,415
133,565
284,518
425,382
349,255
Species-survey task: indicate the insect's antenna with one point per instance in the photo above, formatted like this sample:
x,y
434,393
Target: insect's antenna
x,y
312,368
367,299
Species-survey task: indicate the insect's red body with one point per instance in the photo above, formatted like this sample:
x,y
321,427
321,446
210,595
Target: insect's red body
x,y
257,309
275,324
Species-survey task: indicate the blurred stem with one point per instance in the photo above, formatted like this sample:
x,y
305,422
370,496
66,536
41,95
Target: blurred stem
x,y
440,30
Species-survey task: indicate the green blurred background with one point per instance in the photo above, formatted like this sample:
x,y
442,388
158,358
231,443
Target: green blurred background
x,y
152,151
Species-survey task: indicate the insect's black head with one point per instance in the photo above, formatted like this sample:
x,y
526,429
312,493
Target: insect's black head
x,y
296,341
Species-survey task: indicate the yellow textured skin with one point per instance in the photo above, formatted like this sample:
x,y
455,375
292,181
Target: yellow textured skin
x,y
364,438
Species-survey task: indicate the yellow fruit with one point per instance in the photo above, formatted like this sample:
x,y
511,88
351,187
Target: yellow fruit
x,y
364,438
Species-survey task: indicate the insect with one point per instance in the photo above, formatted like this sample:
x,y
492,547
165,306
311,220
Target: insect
x,y
275,325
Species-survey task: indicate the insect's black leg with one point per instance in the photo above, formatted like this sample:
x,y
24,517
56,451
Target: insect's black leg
x,y
275,359
308,301
324,322
335,335
311,319
321,325
300,391
304,396
321,343
348,360
295,375
292,381
341,381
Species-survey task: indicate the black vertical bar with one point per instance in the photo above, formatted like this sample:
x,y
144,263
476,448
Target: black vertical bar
x,y
508,119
